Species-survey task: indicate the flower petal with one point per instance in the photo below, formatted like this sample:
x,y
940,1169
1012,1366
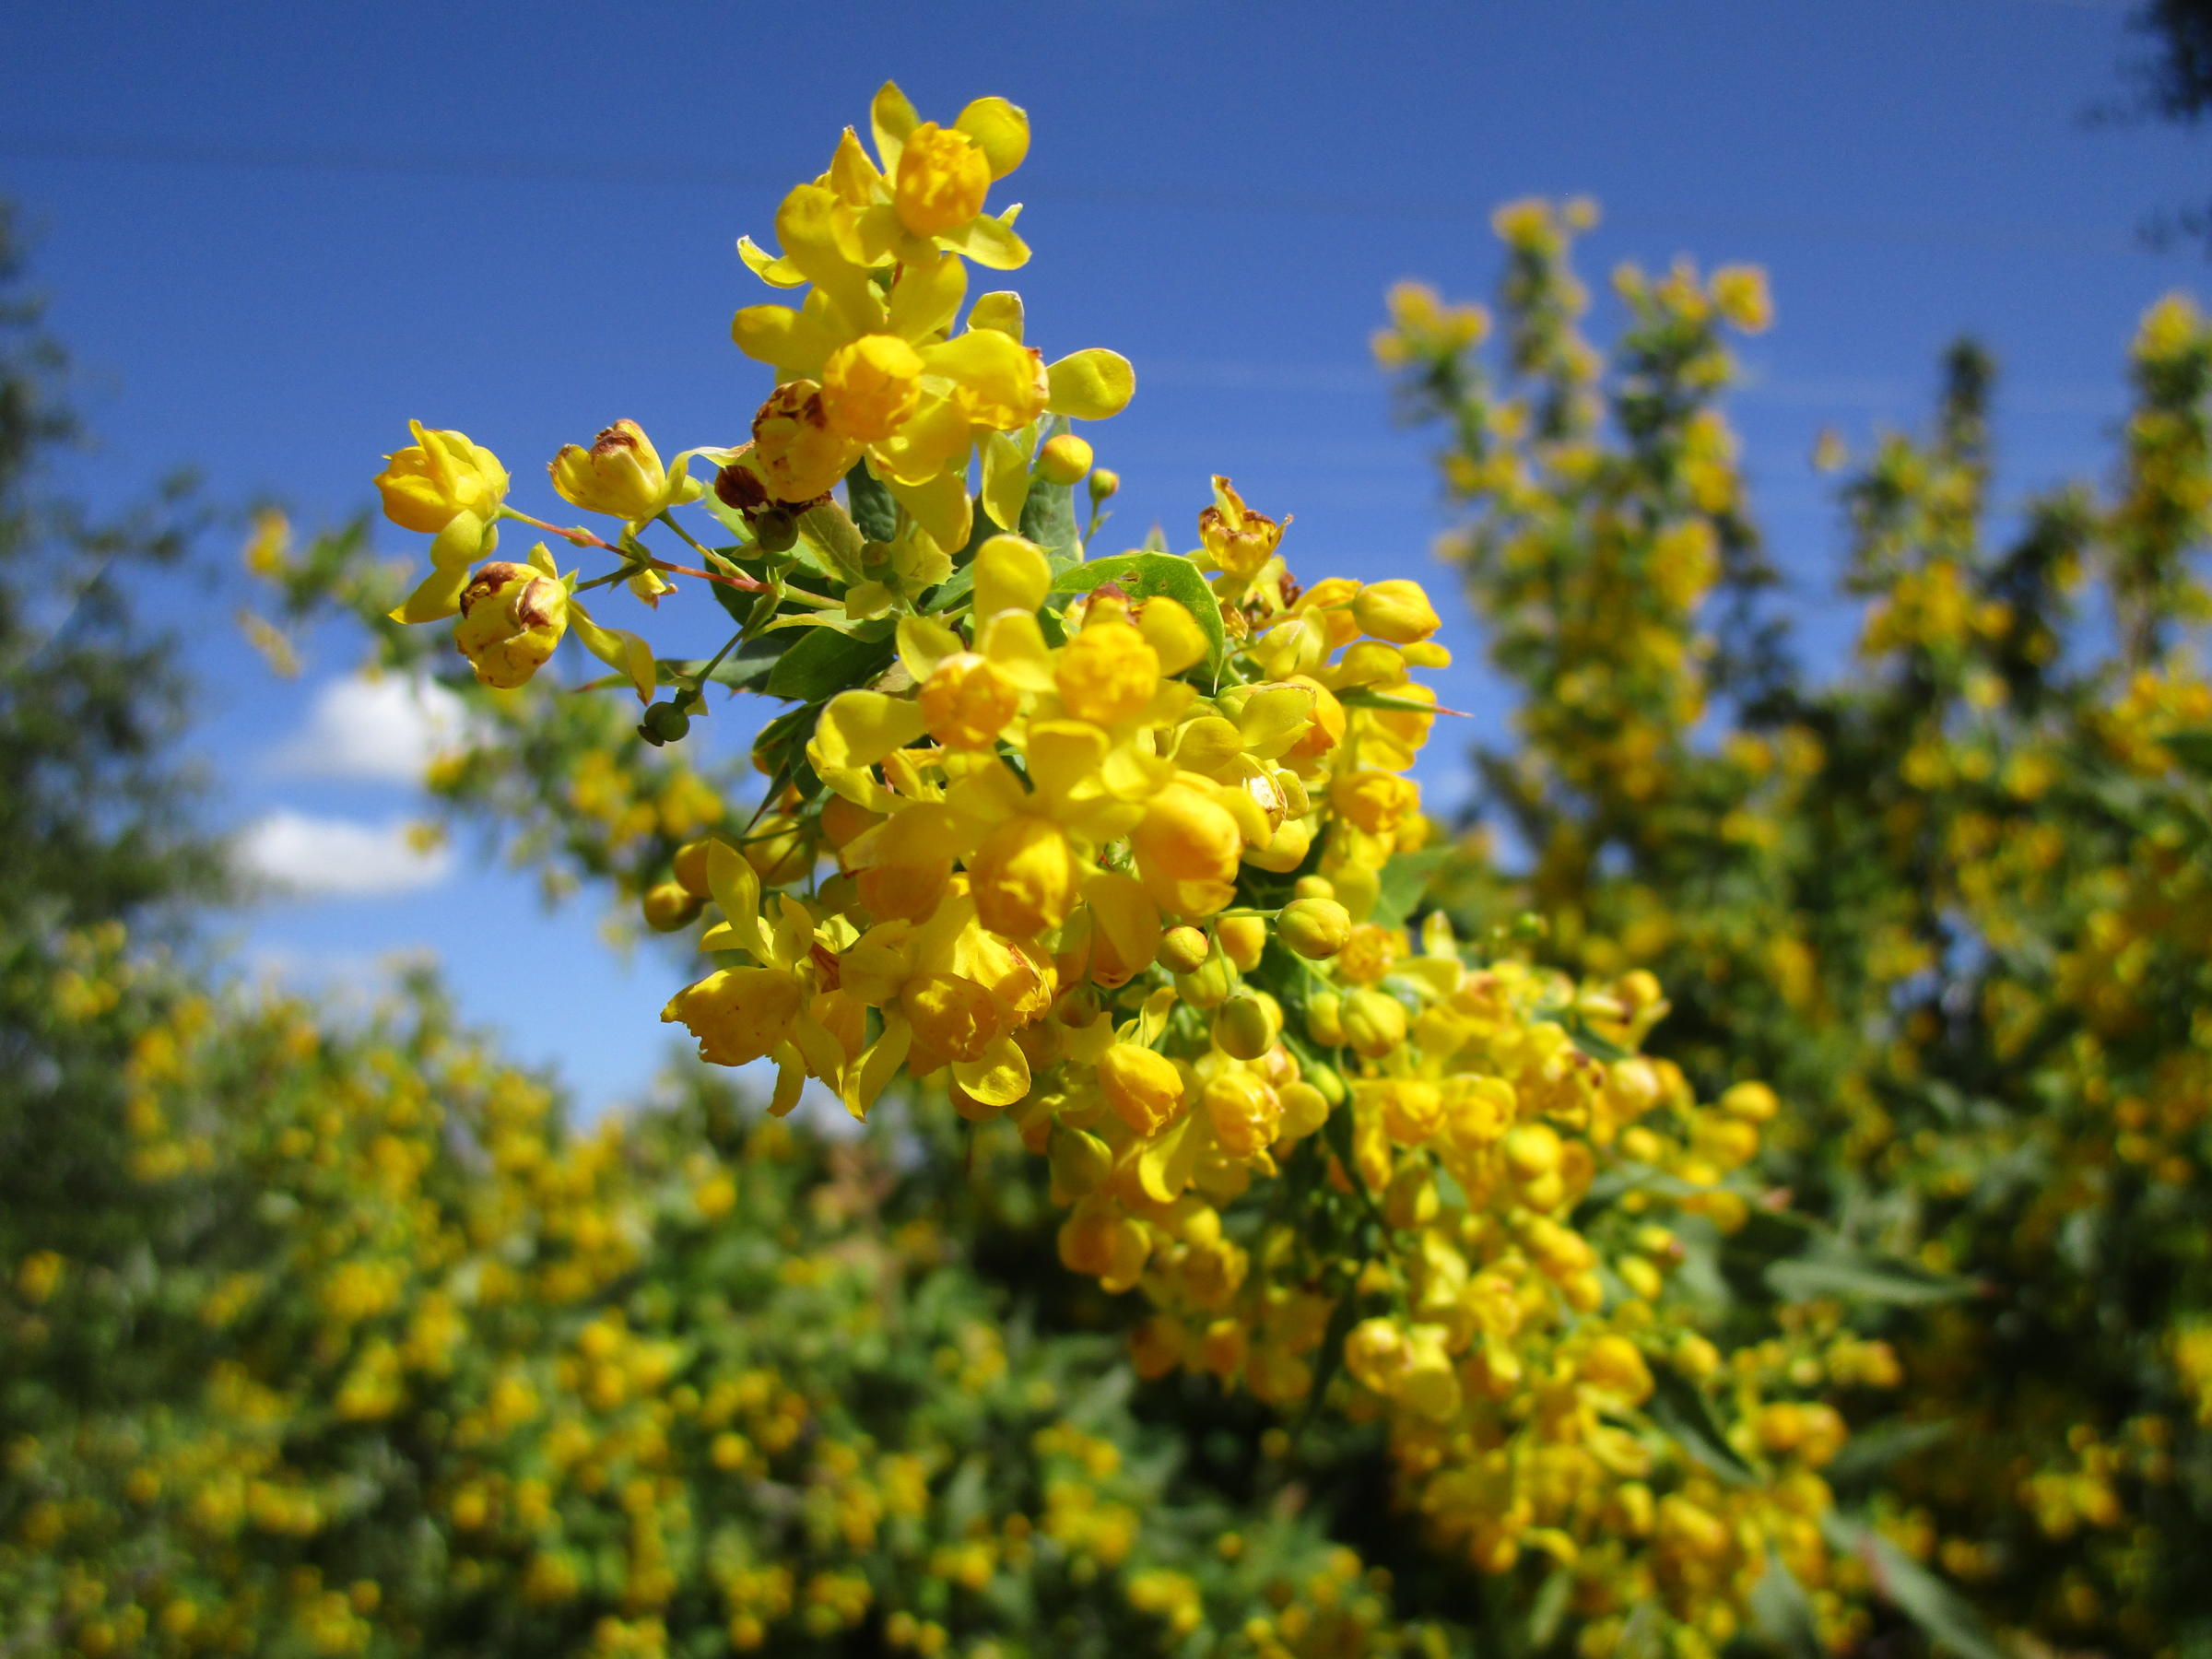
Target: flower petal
x,y
1092,384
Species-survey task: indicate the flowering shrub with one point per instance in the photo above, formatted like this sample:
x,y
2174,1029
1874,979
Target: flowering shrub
x,y
1951,908
1120,852
395,1365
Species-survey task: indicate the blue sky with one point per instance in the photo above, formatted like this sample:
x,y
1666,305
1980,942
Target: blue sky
x,y
274,234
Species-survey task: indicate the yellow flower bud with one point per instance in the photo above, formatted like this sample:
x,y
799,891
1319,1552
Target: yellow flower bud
x,y
942,180
966,702
669,906
1316,928
1244,1110
1103,484
1243,937
1397,610
1324,1019
439,476
1208,984
1064,460
1305,1110
1108,673
621,476
779,851
870,387
1754,1102
1375,1023
1187,847
1142,1085
511,618
1182,949
1613,1364
1245,1027
1079,1161
1531,1151
1410,1200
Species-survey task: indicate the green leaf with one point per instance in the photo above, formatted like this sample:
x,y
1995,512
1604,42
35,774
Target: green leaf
x,y
1048,518
823,661
1868,1455
1680,1408
1830,1266
1148,576
870,504
1782,1614
1404,880
1942,1613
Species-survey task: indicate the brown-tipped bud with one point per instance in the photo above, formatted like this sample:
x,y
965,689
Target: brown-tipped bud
x,y
1184,949
738,485
669,906
511,618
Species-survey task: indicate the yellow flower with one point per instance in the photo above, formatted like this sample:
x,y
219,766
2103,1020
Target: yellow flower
x,y
438,477
797,455
449,488
1236,539
773,1009
512,616
622,476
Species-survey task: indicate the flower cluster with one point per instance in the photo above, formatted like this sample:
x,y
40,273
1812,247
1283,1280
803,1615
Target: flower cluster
x,y
1125,852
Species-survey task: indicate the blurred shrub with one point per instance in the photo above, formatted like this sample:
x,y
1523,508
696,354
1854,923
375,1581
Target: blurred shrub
x,y
1951,905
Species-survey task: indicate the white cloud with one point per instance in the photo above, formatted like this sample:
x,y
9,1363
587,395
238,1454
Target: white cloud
x,y
385,729
305,856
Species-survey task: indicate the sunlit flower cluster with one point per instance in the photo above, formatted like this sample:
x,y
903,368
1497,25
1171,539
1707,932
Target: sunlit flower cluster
x,y
1125,851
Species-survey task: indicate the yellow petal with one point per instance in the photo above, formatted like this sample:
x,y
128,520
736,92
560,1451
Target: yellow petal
x,y
990,243
618,648
807,225
859,728
1000,130
791,1077
1273,719
999,381
776,272
927,296
940,506
923,643
1091,386
998,1077
1001,310
439,596
878,1066
891,118
786,340
1010,573
851,174
1165,1166
824,1058
1015,644
1005,479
